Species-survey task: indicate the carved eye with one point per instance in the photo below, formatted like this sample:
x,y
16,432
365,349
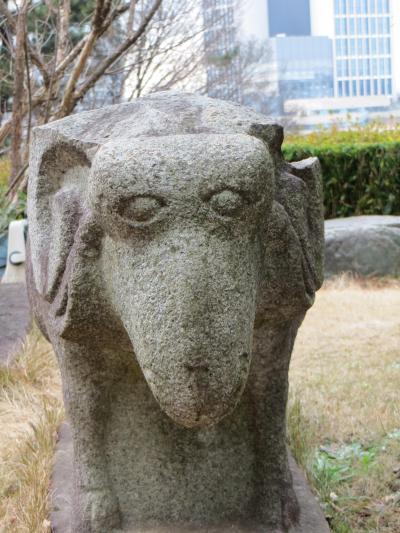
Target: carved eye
x,y
141,208
227,203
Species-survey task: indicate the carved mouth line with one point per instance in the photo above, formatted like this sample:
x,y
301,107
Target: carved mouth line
x,y
197,367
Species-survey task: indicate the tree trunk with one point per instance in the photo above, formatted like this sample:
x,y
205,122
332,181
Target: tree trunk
x,y
18,94
64,15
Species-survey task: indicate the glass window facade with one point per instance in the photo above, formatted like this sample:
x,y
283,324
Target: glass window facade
x,y
221,47
305,66
362,48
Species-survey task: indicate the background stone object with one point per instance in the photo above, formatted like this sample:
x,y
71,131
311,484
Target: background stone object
x,y
15,320
364,245
172,255
16,253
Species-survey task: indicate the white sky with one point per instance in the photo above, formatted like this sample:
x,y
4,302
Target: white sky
x,y
254,19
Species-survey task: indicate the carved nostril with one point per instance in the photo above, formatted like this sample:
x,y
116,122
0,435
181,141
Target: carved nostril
x,y
245,355
197,367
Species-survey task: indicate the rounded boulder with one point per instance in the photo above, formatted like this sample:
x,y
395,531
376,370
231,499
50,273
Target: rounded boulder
x,y
364,245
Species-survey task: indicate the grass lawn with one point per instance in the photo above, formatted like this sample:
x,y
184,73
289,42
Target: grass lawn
x,y
344,422
344,417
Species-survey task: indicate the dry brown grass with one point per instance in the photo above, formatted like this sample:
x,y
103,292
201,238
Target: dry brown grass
x,y
346,375
30,413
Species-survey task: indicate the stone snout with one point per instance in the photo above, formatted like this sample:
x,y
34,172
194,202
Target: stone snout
x,y
184,229
190,320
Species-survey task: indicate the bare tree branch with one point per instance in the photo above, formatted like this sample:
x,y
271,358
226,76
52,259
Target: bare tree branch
x,y
7,15
172,52
18,94
102,19
14,181
34,54
131,17
5,130
73,54
28,83
130,41
63,27
68,100
100,13
157,43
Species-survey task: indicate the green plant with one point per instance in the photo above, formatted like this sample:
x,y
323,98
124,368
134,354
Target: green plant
x,y
5,168
360,168
301,434
374,132
11,210
335,470
333,465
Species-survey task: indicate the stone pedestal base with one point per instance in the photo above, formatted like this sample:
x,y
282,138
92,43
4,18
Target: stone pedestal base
x,y
311,519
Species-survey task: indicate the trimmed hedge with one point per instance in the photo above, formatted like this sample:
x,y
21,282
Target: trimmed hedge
x,y
360,178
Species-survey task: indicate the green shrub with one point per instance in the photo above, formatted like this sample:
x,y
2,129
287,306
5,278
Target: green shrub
x,y
5,169
373,133
11,210
360,178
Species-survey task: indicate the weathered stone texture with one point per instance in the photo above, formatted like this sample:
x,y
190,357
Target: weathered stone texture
x,y
365,245
311,517
173,257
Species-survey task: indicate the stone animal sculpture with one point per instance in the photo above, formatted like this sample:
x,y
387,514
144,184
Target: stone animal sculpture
x,y
173,255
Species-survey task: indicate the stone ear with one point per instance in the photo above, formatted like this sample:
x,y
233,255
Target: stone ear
x,y
57,190
294,254
299,191
272,135
309,170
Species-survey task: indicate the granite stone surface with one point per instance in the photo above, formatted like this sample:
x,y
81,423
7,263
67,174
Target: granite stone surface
x,y
173,255
364,245
311,519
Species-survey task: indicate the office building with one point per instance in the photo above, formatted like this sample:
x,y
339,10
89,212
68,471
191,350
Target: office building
x,y
222,49
330,58
363,48
289,17
305,66
366,35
